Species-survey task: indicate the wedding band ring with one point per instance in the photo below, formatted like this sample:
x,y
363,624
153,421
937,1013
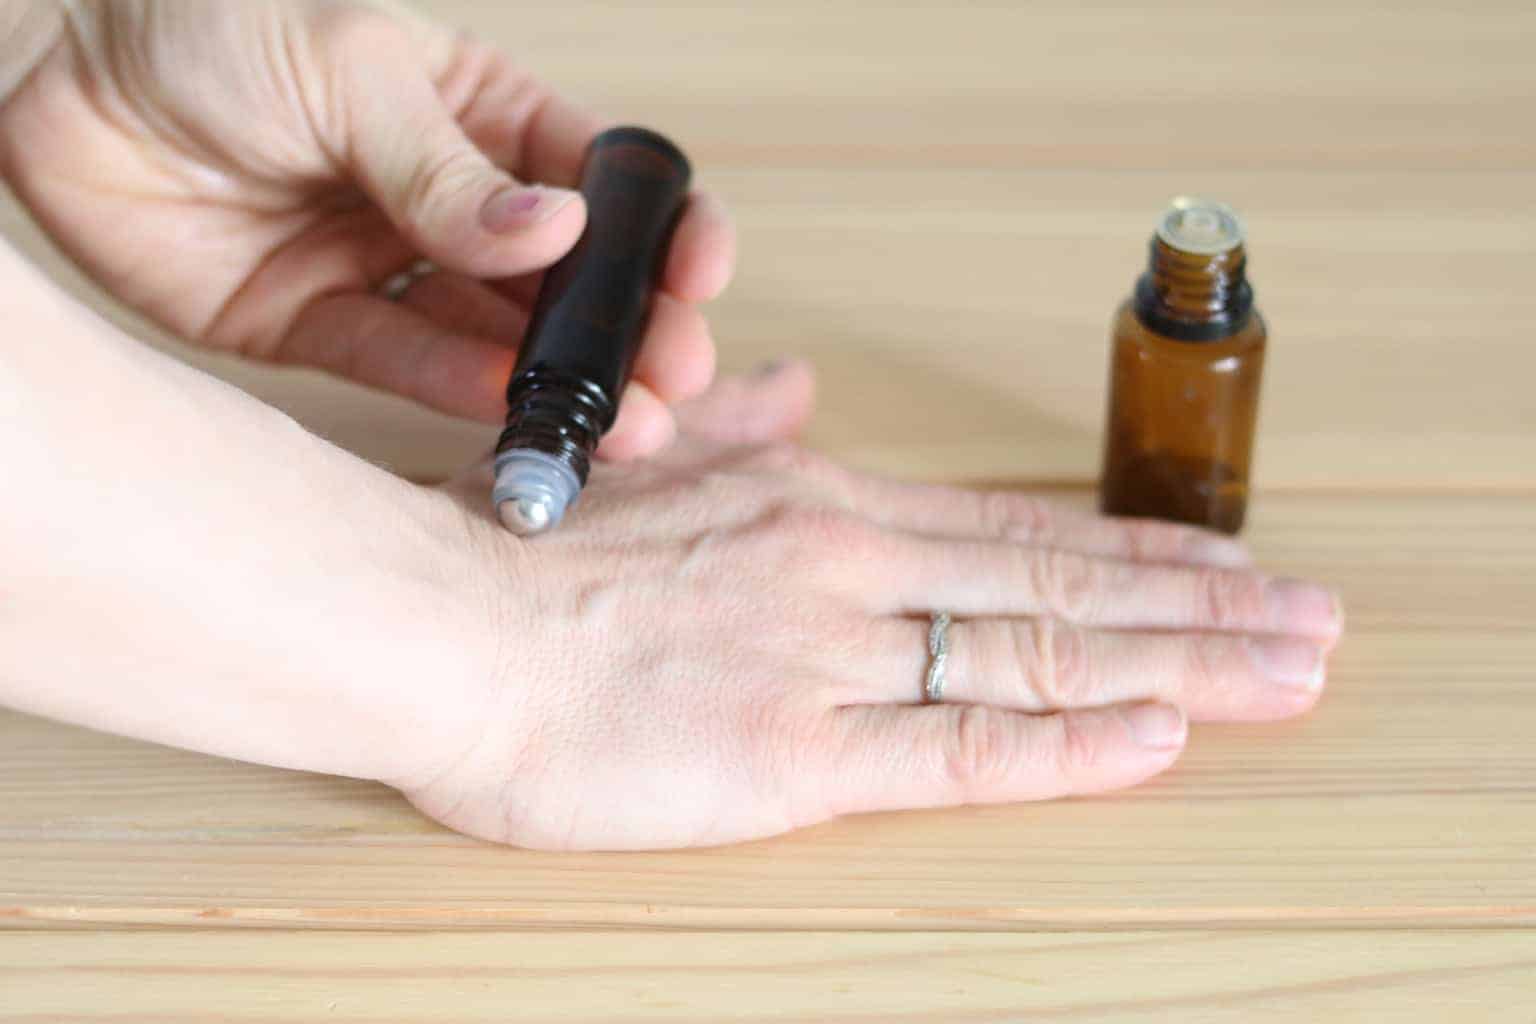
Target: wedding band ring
x,y
394,287
938,658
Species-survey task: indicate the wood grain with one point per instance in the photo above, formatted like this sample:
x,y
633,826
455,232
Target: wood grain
x,y
960,197
1204,977
940,205
1406,799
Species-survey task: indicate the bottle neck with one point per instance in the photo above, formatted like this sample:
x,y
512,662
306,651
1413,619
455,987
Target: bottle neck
x,y
560,414
1194,296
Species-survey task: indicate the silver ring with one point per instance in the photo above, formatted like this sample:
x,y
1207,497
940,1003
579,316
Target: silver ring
x,y
938,654
393,287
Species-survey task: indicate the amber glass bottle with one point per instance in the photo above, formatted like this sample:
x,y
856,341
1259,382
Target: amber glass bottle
x,y
1184,377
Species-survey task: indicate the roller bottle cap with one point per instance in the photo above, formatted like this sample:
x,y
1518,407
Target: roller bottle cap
x,y
1200,227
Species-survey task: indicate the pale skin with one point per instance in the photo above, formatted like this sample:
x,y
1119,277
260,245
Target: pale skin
x,y
726,640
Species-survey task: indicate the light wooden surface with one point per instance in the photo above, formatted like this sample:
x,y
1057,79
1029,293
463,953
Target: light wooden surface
x,y
1367,977
940,205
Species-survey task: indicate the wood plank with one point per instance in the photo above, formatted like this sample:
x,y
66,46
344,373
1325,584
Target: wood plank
x,y
1408,799
1208,977
1193,85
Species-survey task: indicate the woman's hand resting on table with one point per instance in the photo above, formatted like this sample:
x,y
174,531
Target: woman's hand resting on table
x,y
248,175
730,641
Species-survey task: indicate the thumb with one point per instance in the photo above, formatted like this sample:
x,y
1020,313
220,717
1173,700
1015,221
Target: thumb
x,y
445,196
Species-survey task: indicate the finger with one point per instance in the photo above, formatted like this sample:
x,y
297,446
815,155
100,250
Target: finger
x,y
410,155
771,404
522,290
676,358
542,137
539,136
1027,519
466,306
981,578
554,141
388,346
1041,665
892,758
515,119
700,259
352,250
677,355
702,256
643,427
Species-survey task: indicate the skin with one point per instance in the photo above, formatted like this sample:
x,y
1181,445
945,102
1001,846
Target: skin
x,y
248,174
725,640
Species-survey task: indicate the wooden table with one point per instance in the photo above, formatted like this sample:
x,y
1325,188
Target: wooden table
x,y
940,204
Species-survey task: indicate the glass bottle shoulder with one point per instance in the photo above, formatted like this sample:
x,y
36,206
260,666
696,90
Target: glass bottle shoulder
x,y
1132,338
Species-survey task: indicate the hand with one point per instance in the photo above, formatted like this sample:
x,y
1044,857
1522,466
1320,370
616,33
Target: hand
x,y
248,174
730,642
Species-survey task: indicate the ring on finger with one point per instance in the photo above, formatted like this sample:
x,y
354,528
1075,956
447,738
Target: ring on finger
x,y
938,657
394,287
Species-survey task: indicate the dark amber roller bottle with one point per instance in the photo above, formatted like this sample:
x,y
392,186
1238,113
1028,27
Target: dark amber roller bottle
x,y
1184,377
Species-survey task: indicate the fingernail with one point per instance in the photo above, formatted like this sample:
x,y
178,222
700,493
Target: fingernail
x,y
519,206
1288,662
1156,726
1204,549
1296,606
770,367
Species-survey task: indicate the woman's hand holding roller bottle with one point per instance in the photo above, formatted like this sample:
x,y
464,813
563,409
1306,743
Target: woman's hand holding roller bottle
x,y
249,175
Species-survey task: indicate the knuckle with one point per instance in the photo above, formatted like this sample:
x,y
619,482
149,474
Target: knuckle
x,y
1077,746
1205,666
786,458
823,531
791,539
1065,584
477,56
1057,662
1227,599
1148,540
356,28
437,180
1016,517
980,751
1145,541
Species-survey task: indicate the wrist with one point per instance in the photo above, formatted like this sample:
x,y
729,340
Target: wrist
x,y
439,652
191,567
